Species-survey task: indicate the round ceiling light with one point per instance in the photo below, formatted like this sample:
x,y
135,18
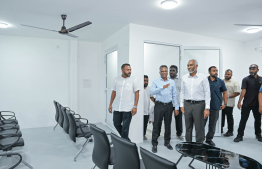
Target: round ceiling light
x,y
4,25
168,4
252,30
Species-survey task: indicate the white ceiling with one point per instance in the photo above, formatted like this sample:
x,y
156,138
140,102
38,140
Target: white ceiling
x,y
204,17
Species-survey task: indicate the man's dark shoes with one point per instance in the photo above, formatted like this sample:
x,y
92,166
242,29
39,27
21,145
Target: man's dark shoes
x,y
259,138
238,139
154,149
168,146
228,134
211,143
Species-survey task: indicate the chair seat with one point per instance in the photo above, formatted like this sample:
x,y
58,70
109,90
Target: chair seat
x,y
7,121
13,125
7,141
12,131
86,130
112,156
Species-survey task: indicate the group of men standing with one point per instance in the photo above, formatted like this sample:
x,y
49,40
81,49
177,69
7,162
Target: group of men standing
x,y
198,97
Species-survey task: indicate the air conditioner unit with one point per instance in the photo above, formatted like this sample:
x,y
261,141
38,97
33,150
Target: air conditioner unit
x,y
259,48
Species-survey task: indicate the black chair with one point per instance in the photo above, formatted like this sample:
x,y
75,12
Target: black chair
x,y
7,117
152,161
78,131
127,156
9,142
56,113
60,115
103,155
13,154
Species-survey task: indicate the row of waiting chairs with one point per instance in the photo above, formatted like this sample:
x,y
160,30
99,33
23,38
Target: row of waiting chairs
x,y
10,137
72,125
123,154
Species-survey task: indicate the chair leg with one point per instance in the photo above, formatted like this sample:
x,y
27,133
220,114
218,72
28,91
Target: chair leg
x,y
25,163
93,167
55,126
191,163
179,159
87,141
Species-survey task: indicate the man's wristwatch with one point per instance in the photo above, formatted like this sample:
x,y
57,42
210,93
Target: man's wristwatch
x,y
135,107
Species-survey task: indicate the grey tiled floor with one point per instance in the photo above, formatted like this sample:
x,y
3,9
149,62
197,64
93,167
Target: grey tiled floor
x,y
48,149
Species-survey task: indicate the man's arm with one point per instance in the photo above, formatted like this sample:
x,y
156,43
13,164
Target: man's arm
x,y
113,95
155,90
134,110
242,95
153,99
224,99
182,96
233,95
260,102
207,97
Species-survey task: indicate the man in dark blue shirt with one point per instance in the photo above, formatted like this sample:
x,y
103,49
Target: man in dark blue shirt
x,y
217,87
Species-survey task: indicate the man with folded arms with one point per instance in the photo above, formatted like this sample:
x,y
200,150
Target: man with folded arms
x,y
165,91
195,101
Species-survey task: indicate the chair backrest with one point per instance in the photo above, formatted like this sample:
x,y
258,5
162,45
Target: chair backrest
x,y
127,156
66,121
56,111
61,117
72,125
152,161
102,150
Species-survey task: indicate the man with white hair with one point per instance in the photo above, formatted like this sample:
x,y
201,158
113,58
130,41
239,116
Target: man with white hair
x,y
195,101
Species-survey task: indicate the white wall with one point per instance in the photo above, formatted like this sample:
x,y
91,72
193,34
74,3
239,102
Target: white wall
x,y
90,76
33,73
251,57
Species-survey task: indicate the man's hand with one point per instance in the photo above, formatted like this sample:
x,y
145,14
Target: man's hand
x,y
239,106
206,113
166,86
110,109
222,107
133,112
260,110
182,110
176,112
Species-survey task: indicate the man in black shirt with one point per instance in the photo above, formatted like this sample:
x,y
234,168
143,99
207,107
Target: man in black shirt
x,y
250,89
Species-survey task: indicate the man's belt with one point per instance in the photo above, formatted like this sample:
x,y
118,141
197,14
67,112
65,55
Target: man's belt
x,y
195,101
164,103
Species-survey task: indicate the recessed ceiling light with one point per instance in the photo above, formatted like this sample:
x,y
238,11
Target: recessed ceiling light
x,y
4,25
168,4
252,30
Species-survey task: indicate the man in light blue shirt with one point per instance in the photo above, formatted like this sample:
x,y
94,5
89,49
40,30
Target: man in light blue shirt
x,y
166,97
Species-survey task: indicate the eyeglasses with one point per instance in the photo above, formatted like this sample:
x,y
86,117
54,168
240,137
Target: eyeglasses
x,y
252,68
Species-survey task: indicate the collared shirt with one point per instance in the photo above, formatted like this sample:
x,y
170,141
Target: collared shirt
x,y
178,88
252,86
125,93
216,87
195,88
165,95
232,87
146,100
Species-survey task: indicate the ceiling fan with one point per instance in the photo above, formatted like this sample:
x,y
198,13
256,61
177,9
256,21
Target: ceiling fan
x,y
63,30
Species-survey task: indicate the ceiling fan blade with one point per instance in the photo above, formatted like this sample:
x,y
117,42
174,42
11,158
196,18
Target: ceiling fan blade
x,y
79,26
69,34
39,28
246,25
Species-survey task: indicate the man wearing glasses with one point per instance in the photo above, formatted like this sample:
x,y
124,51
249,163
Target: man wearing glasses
x,y
250,89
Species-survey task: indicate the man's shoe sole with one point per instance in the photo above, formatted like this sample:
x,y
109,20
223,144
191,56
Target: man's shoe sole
x,y
238,140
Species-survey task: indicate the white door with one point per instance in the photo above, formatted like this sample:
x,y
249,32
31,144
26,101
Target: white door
x,y
111,73
206,57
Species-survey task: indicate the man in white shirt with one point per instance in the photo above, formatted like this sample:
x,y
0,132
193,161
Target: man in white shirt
x,y
126,94
195,101
147,98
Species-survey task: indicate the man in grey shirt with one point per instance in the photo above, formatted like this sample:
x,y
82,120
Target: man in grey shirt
x,y
173,70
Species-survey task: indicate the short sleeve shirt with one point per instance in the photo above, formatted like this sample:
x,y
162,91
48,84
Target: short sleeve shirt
x,y
252,86
232,87
216,88
146,100
125,93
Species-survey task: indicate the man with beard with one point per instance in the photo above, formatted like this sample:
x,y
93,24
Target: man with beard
x,y
126,94
195,101
173,75
250,89
147,98
165,91
217,87
233,90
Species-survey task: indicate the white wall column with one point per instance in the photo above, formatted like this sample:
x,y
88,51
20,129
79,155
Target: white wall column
x,y
73,75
